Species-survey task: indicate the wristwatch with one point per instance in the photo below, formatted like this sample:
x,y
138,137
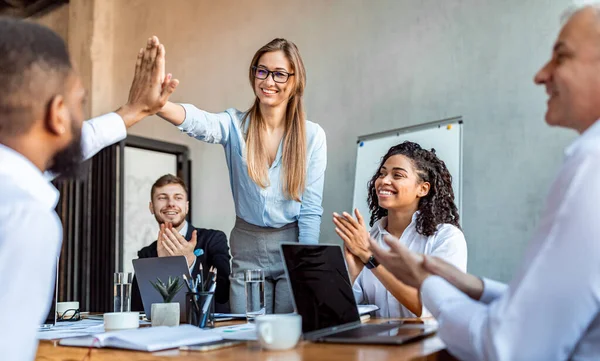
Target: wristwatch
x,y
371,263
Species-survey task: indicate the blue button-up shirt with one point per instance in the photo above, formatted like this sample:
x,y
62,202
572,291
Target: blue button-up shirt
x,y
265,207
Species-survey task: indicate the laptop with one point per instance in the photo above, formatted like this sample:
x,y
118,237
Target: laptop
x,y
50,320
323,296
149,269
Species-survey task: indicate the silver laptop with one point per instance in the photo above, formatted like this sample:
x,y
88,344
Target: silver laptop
x,y
323,296
51,317
149,269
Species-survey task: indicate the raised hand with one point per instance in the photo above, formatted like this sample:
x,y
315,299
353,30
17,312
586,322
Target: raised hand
x,y
354,234
467,283
150,88
355,265
178,245
160,243
401,262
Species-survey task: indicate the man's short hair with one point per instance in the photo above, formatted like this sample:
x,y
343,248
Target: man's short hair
x,y
168,179
34,66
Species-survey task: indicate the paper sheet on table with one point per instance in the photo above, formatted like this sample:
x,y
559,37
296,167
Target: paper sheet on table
x,y
243,332
230,315
364,309
84,327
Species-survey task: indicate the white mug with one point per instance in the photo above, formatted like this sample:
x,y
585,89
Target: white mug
x,y
114,321
278,332
61,307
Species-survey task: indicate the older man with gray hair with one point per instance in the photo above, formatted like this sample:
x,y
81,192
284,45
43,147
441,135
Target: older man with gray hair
x,y
551,309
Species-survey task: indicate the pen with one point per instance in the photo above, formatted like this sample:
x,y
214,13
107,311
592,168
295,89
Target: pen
x,y
190,287
199,278
212,285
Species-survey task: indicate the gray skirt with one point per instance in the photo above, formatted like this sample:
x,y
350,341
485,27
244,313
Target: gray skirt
x,y
254,247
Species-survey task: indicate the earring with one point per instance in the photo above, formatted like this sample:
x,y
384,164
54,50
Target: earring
x,y
61,130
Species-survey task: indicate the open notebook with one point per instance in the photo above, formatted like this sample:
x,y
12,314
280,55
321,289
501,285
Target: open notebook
x,y
146,339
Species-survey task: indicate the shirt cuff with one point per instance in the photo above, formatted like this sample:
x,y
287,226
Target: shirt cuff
x,y
110,128
434,291
187,121
192,267
492,290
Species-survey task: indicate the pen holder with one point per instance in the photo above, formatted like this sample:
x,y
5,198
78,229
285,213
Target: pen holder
x,y
200,309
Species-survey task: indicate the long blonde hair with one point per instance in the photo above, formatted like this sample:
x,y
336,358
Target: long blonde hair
x,y
294,138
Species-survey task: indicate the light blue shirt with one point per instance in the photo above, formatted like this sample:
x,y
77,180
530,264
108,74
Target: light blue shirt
x,y
266,207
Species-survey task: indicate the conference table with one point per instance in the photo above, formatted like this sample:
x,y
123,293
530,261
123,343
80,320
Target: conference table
x,y
429,349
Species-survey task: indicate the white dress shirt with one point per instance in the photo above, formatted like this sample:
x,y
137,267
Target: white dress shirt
x,y
448,242
31,234
550,310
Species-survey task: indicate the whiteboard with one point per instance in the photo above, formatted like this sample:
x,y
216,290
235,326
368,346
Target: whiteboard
x,y
444,136
142,168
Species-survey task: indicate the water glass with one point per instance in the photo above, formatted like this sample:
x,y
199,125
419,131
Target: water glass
x,y
255,293
122,291
200,309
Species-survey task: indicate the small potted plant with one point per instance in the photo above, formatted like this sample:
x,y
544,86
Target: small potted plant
x,y
166,313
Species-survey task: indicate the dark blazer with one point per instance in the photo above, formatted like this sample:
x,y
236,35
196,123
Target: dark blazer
x,y
216,253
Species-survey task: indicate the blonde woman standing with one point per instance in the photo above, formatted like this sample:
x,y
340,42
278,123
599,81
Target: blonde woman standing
x,y
276,160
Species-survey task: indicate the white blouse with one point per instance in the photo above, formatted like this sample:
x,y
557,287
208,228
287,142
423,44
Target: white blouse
x,y
448,243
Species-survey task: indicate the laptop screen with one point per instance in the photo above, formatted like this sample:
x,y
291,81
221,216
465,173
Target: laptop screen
x,y
149,269
320,285
51,317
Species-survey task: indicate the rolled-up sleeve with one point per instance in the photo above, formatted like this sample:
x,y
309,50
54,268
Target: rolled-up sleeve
x,y
207,127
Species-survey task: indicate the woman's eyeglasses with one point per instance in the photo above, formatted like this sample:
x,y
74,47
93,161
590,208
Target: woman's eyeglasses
x,y
279,76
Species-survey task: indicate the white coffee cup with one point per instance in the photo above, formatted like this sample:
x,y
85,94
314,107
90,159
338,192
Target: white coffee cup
x,y
114,321
278,332
61,307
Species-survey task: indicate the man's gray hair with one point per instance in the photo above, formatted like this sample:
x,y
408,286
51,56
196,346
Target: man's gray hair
x,y
578,6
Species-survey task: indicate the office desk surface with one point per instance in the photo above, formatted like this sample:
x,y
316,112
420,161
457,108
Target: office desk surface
x,y
430,349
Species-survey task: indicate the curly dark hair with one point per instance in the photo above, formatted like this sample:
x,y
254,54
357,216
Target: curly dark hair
x,y
437,207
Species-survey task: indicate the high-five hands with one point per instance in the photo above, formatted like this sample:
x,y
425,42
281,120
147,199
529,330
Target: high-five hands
x,y
151,88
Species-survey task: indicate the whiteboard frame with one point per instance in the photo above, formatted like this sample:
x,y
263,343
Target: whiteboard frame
x,y
413,128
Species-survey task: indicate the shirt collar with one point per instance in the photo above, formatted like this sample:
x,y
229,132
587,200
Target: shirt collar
x,y
592,132
382,224
184,229
26,176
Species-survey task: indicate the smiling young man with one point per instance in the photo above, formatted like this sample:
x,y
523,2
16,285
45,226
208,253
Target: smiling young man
x,y
170,205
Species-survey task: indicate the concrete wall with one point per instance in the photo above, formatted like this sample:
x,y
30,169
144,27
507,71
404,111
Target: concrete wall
x,y
57,20
372,66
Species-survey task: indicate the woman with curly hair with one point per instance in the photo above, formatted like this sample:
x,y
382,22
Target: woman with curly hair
x,y
411,200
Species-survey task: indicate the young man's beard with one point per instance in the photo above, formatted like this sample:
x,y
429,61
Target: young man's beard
x,y
66,163
175,225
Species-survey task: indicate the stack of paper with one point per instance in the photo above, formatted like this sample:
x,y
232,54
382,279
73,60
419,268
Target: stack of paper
x,y
71,329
